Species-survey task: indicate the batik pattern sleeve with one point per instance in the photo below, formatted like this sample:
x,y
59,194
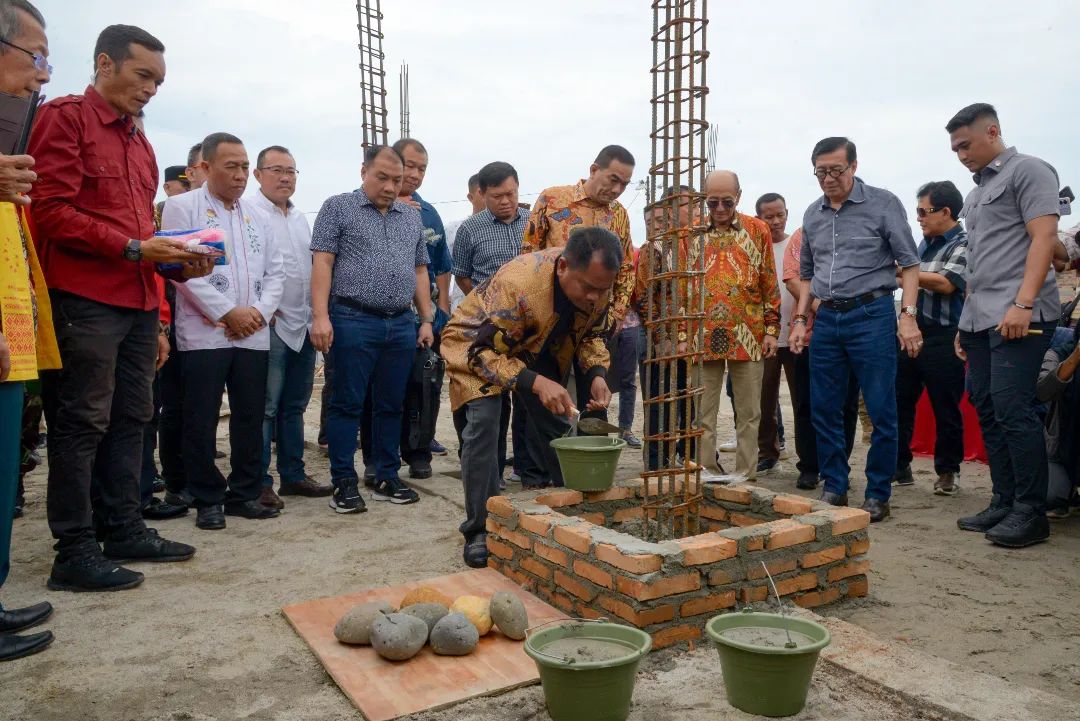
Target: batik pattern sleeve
x,y
592,352
770,289
791,256
624,281
536,229
504,325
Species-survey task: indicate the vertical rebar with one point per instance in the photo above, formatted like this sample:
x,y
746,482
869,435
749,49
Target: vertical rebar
x,y
403,102
372,74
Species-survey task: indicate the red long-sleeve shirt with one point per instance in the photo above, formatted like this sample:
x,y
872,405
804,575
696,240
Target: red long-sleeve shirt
x,y
97,177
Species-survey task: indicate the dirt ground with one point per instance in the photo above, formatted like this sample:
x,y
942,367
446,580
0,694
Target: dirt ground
x,y
206,640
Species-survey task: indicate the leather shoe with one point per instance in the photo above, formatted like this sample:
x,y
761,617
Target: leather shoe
x,y
13,647
148,546
180,498
1022,527
807,481
250,509
270,499
987,518
17,619
834,499
878,509
307,487
476,552
159,510
210,518
420,469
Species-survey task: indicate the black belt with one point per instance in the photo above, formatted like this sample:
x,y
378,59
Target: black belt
x,y
380,312
843,305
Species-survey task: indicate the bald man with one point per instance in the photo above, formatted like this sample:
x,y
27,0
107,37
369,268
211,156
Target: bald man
x,y
742,318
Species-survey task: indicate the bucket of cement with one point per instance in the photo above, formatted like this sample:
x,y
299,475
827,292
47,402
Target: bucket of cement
x,y
763,674
588,668
588,462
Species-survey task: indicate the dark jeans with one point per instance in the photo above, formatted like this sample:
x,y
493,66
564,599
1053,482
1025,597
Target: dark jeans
x,y
805,435
937,369
207,373
326,395
622,372
861,340
99,403
368,350
289,380
770,431
659,383
11,407
171,422
1003,374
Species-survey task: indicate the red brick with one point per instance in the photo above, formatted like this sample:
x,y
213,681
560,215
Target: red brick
x,y
755,572
625,514
494,564
855,568
858,587
591,613
791,505
645,617
749,594
669,586
716,513
560,498
539,524
675,634
632,563
555,555
742,520
594,574
706,548
615,493
755,543
564,602
500,549
820,558
846,520
720,578
732,494
500,506
518,577
594,518
814,599
515,537
574,537
805,582
709,603
859,547
567,582
537,568
656,486
785,532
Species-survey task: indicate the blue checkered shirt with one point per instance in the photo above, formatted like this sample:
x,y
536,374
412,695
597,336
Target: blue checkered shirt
x,y
945,255
484,243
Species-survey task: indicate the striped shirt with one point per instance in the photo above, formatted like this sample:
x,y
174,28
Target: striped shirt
x,y
945,255
483,244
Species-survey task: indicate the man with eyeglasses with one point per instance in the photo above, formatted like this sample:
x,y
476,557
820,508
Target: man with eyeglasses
x,y
943,264
854,238
291,373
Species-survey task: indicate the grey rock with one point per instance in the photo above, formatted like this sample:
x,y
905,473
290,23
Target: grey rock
x,y
355,625
429,613
509,615
454,635
398,636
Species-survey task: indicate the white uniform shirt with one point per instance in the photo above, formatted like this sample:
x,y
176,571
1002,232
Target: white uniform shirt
x,y
292,235
787,300
254,275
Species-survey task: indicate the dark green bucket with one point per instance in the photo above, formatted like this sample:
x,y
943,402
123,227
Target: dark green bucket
x,y
767,680
588,690
588,463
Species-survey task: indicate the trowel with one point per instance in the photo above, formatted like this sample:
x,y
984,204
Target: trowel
x,y
589,426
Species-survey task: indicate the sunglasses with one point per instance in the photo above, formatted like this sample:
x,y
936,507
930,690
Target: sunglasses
x,y
923,212
715,203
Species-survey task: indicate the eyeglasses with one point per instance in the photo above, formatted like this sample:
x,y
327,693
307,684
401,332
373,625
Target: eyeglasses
x,y
715,203
821,173
40,61
280,170
923,212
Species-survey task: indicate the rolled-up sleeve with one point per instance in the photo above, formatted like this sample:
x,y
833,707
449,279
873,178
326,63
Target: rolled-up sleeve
x,y
898,233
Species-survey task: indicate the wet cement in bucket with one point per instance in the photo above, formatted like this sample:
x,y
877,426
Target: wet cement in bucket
x,y
763,636
587,650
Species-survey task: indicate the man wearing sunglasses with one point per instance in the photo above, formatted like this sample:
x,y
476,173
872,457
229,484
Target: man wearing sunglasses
x,y
854,237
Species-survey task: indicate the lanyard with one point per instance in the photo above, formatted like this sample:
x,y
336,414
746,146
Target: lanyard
x,y
219,209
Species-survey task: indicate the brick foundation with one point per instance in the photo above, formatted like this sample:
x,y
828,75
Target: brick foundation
x,y
566,547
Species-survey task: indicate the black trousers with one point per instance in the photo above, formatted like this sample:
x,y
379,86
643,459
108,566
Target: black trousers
x,y
327,392
171,420
937,369
99,403
805,435
206,375
657,381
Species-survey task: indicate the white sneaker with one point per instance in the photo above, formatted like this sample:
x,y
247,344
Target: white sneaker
x,y
729,447
784,453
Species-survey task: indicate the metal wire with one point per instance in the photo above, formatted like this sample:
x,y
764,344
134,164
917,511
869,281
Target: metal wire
x,y
372,74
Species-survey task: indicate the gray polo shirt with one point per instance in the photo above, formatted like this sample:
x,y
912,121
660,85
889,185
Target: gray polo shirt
x,y
1009,192
854,250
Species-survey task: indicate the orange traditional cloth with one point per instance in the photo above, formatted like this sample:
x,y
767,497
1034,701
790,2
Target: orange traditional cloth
x,y
559,210
651,259
742,295
32,341
512,319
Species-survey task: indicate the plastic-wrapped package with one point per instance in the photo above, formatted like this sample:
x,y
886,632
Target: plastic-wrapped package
x,y
199,240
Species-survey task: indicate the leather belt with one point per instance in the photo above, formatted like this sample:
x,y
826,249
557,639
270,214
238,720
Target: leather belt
x,y
370,310
843,305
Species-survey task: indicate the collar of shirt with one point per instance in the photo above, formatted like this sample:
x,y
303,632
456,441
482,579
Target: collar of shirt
x,y
106,113
995,165
857,195
580,196
260,200
736,225
561,302
397,206
487,215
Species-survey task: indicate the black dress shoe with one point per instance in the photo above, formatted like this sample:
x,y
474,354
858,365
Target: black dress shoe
x,y
91,572
148,546
17,619
420,469
807,481
1022,527
210,518
476,552
180,498
250,509
878,509
13,647
987,518
159,510
159,484
834,499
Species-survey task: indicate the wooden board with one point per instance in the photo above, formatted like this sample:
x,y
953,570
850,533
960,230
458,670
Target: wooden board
x,y
384,690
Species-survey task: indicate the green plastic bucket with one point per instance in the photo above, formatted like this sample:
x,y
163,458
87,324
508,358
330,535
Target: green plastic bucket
x,y
588,690
588,462
767,680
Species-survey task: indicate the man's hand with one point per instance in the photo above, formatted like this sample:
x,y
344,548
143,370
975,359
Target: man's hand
x,y
601,395
425,336
909,334
1015,323
797,337
198,268
768,347
408,200
162,350
242,322
170,250
5,359
553,396
16,178
958,349
322,334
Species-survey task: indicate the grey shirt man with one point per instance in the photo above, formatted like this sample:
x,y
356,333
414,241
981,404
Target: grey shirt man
x,y
853,251
1009,192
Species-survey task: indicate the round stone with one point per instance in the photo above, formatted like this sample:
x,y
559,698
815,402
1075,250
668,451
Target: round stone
x,y
355,625
509,615
398,636
454,635
430,613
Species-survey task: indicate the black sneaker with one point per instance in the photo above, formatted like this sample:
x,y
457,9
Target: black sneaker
x,y
475,554
348,500
767,465
91,572
987,518
395,491
807,481
148,546
419,469
1022,527
369,476
903,477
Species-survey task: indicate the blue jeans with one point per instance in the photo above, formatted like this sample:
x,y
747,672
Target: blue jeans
x,y
863,341
289,380
368,349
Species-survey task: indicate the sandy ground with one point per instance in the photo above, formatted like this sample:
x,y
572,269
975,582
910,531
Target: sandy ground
x,y
206,639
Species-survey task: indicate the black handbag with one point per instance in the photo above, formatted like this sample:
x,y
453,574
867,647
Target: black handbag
x,y
422,396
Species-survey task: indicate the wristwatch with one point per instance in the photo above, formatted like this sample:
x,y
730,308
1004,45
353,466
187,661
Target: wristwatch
x,y
133,251
910,310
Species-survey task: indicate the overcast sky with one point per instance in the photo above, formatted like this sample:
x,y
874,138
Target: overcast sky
x,y
545,85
